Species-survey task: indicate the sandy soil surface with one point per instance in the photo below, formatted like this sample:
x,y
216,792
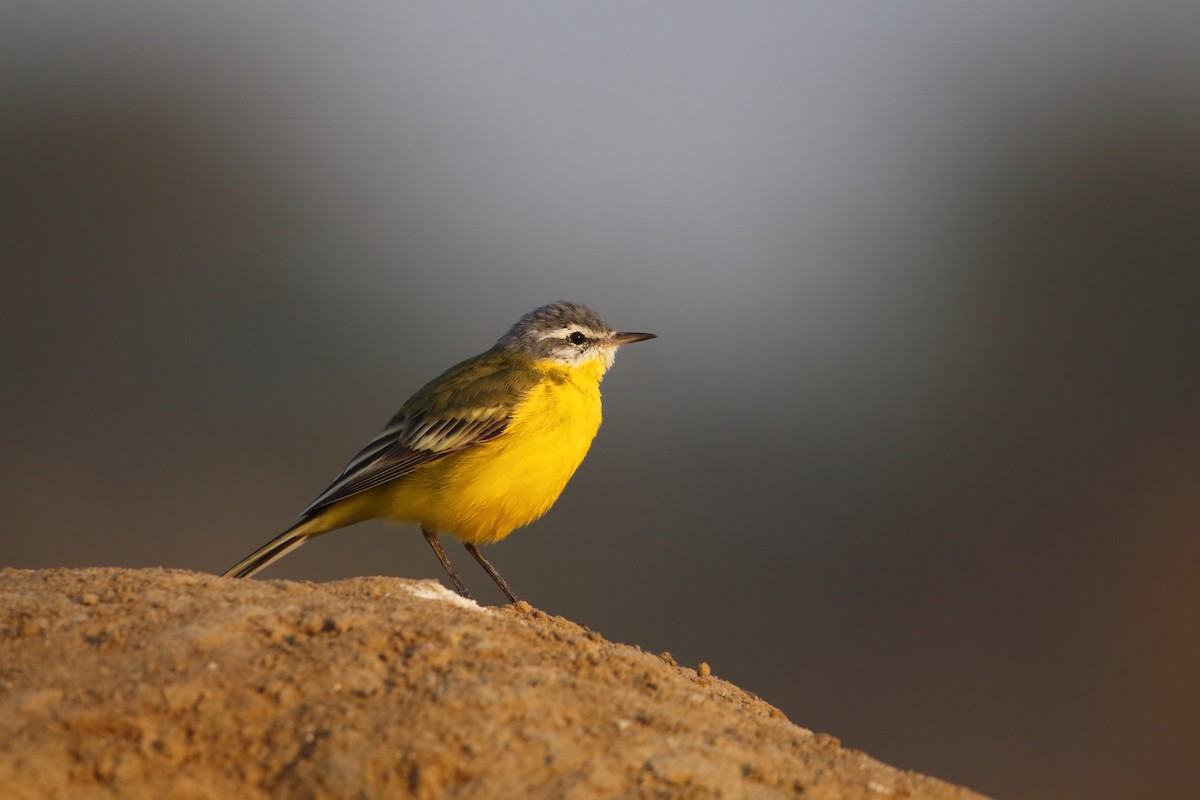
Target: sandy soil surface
x,y
162,683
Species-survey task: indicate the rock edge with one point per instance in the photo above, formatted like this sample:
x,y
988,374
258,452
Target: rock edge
x,y
151,683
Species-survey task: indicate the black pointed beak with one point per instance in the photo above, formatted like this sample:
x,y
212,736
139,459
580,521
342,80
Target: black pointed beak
x,y
626,338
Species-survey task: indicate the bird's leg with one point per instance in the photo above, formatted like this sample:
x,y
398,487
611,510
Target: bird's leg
x,y
483,562
459,586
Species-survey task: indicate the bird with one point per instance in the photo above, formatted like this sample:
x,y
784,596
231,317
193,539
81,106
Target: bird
x,y
481,450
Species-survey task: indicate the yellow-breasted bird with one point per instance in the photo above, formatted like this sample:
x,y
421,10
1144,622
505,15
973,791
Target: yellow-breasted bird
x,y
484,448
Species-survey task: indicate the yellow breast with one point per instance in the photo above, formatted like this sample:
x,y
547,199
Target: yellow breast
x,y
482,494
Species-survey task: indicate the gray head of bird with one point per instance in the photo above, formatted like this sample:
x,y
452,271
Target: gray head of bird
x,y
570,334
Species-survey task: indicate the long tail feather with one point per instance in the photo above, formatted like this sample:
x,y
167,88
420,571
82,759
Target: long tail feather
x,y
270,552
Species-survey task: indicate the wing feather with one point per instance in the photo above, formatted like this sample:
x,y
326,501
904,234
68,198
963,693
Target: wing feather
x,y
470,404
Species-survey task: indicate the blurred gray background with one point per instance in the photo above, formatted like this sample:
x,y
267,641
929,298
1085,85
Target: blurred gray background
x,y
916,457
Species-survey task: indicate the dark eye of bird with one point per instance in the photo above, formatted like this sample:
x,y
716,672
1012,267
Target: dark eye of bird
x,y
576,338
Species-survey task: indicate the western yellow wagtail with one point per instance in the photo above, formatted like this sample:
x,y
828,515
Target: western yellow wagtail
x,y
484,448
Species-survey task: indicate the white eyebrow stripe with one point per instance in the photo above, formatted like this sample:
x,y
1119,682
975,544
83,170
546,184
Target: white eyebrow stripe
x,y
560,333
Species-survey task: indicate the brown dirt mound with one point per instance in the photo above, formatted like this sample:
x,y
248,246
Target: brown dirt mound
x,y
162,683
